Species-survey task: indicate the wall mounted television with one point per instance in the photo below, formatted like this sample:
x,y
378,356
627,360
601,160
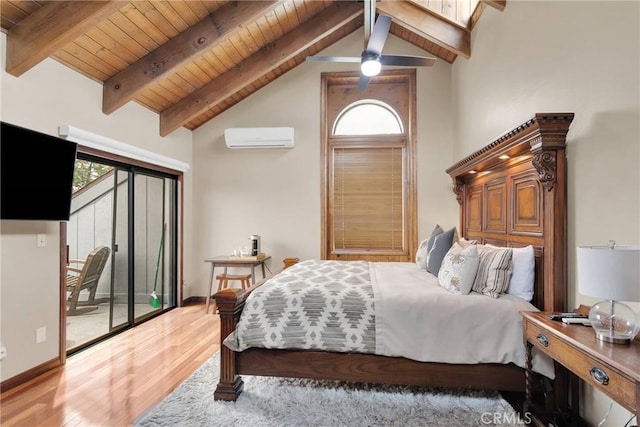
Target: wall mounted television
x,y
36,174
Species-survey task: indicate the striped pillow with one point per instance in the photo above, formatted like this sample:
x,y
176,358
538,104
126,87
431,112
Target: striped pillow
x,y
494,271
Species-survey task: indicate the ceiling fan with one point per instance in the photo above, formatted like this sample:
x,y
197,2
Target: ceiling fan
x,y
372,59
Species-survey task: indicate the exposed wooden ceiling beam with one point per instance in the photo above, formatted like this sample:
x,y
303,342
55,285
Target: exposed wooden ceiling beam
x,y
260,63
49,28
204,36
428,25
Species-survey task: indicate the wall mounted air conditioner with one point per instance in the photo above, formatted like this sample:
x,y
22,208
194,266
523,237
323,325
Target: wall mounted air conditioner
x,y
273,137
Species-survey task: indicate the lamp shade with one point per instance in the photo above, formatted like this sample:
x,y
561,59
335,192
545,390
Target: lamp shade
x,y
609,273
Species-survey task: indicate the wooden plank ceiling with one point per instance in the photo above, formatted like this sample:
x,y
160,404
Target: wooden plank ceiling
x,y
191,60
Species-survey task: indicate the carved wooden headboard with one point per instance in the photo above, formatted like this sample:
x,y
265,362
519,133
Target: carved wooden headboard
x,y
513,192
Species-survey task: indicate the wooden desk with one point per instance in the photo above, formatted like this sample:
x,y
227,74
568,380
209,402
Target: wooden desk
x,y
613,369
234,261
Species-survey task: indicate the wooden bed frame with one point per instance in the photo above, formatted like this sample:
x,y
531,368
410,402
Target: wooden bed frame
x,y
511,193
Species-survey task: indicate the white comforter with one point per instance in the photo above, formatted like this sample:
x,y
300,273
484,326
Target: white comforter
x,y
417,319
414,317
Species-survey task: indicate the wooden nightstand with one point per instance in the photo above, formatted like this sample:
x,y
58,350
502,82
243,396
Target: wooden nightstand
x,y
613,369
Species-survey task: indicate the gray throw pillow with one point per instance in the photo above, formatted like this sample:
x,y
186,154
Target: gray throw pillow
x,y
441,245
435,233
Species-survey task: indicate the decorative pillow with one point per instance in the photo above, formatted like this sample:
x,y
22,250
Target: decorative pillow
x,y
441,245
464,242
425,246
523,275
494,271
421,254
458,269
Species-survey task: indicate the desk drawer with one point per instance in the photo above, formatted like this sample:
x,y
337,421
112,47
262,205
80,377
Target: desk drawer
x,y
593,372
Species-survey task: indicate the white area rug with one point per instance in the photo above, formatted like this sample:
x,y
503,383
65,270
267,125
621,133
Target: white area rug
x,y
268,401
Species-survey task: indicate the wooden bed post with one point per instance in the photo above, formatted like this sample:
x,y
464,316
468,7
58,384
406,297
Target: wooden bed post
x,y
458,190
230,303
549,160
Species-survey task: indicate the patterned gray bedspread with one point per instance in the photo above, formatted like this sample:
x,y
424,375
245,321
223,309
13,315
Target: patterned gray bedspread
x,y
324,305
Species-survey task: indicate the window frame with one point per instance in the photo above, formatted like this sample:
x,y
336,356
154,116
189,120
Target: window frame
x,y
342,115
404,106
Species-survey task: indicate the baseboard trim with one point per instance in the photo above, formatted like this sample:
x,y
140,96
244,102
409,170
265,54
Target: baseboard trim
x,y
194,301
29,374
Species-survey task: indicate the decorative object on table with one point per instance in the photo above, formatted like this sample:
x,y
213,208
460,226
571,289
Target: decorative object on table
x,y
255,244
247,256
612,273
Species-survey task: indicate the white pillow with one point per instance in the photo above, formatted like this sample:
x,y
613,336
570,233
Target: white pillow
x,y
458,269
523,274
425,246
421,254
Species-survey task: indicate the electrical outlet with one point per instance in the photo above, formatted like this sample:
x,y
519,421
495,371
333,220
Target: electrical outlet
x,y
3,352
41,334
41,240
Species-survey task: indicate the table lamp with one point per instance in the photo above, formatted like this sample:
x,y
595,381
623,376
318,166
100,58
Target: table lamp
x,y
612,273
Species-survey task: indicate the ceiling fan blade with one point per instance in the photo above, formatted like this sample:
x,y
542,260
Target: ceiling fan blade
x,y
356,59
363,82
407,60
379,35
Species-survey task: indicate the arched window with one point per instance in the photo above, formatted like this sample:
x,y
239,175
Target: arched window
x,y
368,152
380,119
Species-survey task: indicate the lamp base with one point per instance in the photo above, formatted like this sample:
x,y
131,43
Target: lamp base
x,y
614,322
606,336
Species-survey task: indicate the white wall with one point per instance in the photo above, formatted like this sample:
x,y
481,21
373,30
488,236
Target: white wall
x,y
565,56
41,99
276,193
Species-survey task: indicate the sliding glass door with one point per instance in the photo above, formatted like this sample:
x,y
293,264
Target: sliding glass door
x,y
132,211
119,309
153,242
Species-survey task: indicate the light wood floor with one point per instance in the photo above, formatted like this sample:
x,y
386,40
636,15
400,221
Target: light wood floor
x,y
114,382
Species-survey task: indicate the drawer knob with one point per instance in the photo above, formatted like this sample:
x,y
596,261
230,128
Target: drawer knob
x,y
599,376
543,340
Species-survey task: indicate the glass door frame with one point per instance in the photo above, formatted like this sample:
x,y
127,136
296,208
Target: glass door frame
x,y
132,167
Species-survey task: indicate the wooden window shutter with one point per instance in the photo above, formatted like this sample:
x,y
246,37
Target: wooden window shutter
x,y
368,199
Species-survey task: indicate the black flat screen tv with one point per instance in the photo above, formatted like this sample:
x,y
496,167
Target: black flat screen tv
x,y
36,175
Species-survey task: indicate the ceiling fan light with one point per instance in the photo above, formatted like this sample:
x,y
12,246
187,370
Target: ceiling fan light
x,y
371,65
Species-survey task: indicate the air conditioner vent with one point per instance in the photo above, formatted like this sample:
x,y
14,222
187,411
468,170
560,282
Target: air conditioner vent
x,y
264,137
